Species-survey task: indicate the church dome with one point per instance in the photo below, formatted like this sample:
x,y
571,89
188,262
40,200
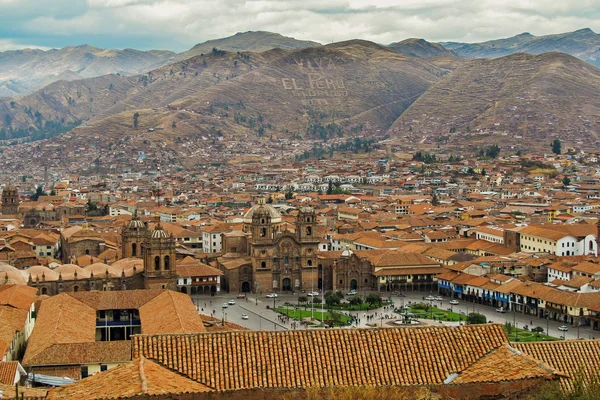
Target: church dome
x,y
68,271
136,224
159,233
99,270
38,271
262,209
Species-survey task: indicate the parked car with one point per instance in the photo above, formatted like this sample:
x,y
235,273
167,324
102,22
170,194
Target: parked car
x,y
313,294
563,328
439,298
454,302
501,310
430,298
225,305
241,296
351,293
244,316
231,302
272,295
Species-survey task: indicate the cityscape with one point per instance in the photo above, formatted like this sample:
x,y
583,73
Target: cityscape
x,y
263,217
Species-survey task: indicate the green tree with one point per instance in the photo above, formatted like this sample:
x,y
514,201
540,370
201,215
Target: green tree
x,y
289,194
91,207
302,299
356,301
476,318
566,181
556,146
470,171
39,191
316,300
374,299
483,172
269,200
434,200
330,188
136,117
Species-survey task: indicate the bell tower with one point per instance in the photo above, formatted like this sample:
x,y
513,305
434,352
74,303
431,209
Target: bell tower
x,y
158,252
10,200
133,236
262,227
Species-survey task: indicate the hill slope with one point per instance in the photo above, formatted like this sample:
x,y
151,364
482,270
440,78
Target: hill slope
x,y
533,96
321,94
420,48
583,44
23,71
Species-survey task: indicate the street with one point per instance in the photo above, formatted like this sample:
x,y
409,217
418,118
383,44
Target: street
x,y
261,318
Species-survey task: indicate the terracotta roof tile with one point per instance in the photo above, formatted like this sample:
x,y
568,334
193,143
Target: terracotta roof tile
x,y
318,358
140,377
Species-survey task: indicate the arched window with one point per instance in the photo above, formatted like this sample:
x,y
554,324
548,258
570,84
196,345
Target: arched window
x,y
308,231
76,288
263,264
156,263
44,290
134,250
87,252
310,263
167,262
308,219
262,221
263,232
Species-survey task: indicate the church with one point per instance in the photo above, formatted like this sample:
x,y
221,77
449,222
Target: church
x,y
264,257
148,262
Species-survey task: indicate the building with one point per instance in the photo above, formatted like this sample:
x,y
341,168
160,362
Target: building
x,y
453,362
194,277
10,200
272,258
80,334
17,318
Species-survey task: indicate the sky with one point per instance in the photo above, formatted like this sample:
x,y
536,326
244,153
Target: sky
x,y
178,25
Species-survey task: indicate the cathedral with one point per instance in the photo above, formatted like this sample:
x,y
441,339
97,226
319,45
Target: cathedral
x,y
148,262
264,257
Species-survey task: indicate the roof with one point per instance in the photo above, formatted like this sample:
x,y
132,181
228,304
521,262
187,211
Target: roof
x,y
65,329
317,358
15,302
190,267
575,358
136,378
8,371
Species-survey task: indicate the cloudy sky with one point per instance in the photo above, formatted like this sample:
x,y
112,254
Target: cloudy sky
x,y
179,24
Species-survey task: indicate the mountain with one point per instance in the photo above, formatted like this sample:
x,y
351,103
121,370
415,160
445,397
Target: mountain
x,y
23,71
583,44
420,48
253,41
318,93
530,98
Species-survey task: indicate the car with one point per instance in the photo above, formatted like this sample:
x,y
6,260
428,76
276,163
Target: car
x,y
563,328
430,298
439,298
241,296
500,310
351,293
244,316
272,295
231,302
313,294
225,305
454,302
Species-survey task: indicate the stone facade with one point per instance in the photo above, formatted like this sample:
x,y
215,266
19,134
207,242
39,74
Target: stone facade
x,y
10,201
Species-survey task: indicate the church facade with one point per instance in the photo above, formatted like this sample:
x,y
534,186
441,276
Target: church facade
x,y
264,257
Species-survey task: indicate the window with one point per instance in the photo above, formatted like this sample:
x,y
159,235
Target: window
x,y
310,263
87,252
134,249
263,264
103,367
84,371
167,262
341,282
156,263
